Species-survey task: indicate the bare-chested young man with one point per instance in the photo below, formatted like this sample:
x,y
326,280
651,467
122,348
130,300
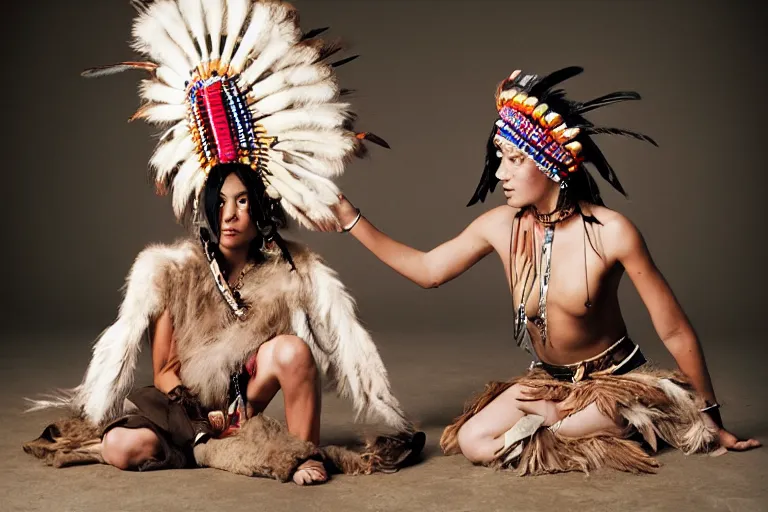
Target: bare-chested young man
x,y
588,395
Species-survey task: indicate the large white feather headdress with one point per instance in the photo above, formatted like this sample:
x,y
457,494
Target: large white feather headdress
x,y
238,81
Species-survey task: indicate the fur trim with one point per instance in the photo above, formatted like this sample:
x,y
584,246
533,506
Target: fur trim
x,y
356,367
262,447
67,442
110,373
655,404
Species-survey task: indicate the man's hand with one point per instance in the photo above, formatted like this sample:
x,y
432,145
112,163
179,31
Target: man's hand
x,y
731,442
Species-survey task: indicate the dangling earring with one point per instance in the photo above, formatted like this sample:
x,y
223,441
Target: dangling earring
x,y
498,154
563,185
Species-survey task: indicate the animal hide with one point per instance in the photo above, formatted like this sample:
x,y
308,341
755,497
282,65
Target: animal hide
x,y
654,404
212,344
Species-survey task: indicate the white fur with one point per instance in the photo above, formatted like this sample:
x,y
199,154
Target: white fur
x,y
110,374
358,370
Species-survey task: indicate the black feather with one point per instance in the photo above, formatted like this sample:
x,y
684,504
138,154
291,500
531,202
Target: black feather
x,y
346,92
343,61
329,49
592,154
596,130
488,180
313,33
608,99
541,86
372,137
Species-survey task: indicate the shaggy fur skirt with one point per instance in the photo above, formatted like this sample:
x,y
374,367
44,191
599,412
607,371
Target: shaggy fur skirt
x,y
653,405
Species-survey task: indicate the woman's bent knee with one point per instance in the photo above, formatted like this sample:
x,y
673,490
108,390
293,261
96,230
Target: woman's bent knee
x,y
471,444
292,355
126,448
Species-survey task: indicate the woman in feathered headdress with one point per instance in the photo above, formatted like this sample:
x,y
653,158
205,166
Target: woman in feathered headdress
x,y
588,391
257,130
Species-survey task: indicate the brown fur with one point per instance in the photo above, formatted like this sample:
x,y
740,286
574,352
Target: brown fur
x,y
67,442
656,404
211,343
264,447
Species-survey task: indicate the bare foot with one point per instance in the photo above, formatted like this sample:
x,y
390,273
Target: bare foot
x,y
310,472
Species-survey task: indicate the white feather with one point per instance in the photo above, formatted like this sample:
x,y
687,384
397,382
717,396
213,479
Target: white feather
x,y
297,96
306,174
293,76
214,18
285,33
326,144
287,192
360,372
256,36
319,166
167,13
296,215
198,183
330,116
184,184
157,92
150,38
170,77
311,205
162,113
298,54
236,13
177,130
303,329
192,12
168,155
264,61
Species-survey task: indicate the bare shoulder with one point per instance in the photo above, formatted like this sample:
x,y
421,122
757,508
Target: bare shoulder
x,y
495,227
618,233
495,219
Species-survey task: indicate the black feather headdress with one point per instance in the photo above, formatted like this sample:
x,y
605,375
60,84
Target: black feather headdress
x,y
551,129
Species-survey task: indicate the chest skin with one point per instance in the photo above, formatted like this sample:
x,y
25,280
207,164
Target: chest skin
x,y
580,272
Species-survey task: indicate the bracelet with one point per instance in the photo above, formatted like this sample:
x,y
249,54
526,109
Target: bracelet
x,y
352,224
710,407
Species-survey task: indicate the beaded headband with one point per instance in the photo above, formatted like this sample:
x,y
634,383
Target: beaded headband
x,y
550,129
